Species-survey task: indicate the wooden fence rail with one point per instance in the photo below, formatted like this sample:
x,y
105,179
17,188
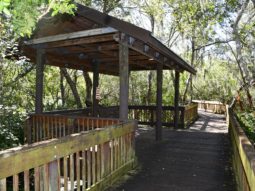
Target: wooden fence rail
x,y
146,115
84,161
243,155
47,126
211,106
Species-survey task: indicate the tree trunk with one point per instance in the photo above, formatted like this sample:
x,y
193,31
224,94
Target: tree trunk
x,y
1,81
149,93
72,86
88,83
190,82
239,57
62,89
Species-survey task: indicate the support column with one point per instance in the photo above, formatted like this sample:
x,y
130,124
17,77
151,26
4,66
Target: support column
x,y
176,99
159,102
95,85
124,81
40,61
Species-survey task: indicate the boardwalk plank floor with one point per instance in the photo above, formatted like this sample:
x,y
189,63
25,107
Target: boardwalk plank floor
x,y
196,159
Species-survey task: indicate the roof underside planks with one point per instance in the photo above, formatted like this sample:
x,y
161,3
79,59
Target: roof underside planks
x,y
90,36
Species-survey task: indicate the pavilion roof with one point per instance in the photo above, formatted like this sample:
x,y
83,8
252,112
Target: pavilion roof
x,y
91,36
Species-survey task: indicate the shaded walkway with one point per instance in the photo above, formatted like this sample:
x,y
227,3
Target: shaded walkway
x,y
197,159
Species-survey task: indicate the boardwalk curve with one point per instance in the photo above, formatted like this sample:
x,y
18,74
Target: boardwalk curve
x,y
197,159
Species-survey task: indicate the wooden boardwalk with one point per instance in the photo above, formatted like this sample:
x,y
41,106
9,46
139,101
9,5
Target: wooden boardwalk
x,y
197,159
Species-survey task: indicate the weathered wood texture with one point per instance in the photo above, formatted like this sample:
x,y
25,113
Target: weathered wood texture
x,y
159,102
89,161
187,160
176,99
69,36
243,155
146,115
124,81
211,106
46,126
40,61
190,114
95,86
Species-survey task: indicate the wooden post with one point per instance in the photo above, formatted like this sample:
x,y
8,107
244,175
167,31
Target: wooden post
x,y
95,85
176,99
159,102
124,81
40,61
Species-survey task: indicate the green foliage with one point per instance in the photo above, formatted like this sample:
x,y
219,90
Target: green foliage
x,y
11,128
25,14
247,122
215,81
217,74
64,6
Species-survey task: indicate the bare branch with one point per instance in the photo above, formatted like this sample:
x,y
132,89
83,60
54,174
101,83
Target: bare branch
x,y
46,11
213,43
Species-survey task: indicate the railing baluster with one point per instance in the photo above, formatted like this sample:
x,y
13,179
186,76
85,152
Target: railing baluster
x,y
78,170
84,170
16,182
3,184
89,167
65,174
103,161
72,171
46,177
26,181
93,165
54,177
98,162
37,179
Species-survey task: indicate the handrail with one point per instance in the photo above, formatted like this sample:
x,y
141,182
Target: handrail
x,y
212,106
144,114
85,160
243,155
41,127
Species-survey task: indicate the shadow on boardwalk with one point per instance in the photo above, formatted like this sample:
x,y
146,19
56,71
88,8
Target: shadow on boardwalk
x,y
196,159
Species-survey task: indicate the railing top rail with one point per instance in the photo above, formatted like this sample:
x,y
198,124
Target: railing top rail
x,y
245,148
209,102
152,107
44,152
74,116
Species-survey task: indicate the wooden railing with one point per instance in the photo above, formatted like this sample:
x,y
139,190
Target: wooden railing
x,y
89,160
47,126
190,114
211,106
243,155
146,115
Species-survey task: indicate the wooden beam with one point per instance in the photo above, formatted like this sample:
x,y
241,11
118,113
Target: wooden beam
x,y
40,61
159,102
146,50
124,81
141,47
176,99
73,35
80,41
